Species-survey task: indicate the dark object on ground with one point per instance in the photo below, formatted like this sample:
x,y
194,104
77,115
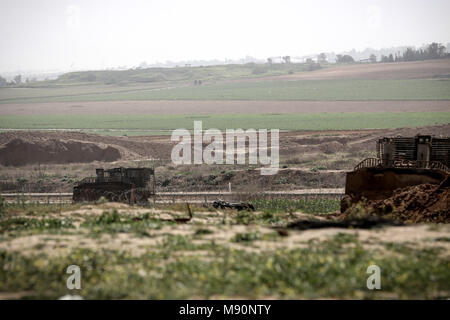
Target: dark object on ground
x,y
233,205
130,185
358,223
282,232
181,220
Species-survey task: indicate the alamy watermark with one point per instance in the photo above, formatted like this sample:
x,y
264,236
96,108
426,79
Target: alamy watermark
x,y
231,150
74,280
374,280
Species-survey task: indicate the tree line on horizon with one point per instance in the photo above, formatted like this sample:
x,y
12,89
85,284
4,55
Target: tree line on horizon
x,y
432,51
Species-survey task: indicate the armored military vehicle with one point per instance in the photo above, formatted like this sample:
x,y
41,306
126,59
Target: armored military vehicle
x,y
130,185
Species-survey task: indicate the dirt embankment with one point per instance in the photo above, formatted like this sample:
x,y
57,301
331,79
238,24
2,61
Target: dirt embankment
x,y
308,159
20,152
415,204
130,148
291,143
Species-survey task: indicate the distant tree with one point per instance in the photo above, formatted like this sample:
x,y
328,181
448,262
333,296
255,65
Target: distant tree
x,y
18,79
373,58
269,61
309,61
391,58
435,51
384,58
409,54
287,59
344,58
322,58
432,51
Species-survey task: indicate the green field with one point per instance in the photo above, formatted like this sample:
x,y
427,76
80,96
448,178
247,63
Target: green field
x,y
314,90
144,124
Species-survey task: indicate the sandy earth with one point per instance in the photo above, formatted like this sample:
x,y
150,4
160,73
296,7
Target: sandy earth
x,y
419,235
159,147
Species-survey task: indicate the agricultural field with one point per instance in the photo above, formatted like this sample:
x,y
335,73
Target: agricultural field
x,y
384,81
160,124
308,90
331,98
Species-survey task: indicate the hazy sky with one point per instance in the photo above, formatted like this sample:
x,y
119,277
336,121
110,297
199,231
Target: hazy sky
x,y
80,34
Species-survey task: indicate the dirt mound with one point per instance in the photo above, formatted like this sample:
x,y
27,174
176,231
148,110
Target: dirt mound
x,y
415,204
20,152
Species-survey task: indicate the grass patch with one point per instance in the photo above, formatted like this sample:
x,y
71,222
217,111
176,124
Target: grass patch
x,y
35,209
19,224
201,232
134,124
319,205
246,237
113,222
324,270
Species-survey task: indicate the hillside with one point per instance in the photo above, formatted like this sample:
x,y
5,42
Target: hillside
x,y
185,74
439,68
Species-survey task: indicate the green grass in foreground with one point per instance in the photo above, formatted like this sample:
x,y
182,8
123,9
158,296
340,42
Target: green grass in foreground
x,y
315,90
328,269
126,124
